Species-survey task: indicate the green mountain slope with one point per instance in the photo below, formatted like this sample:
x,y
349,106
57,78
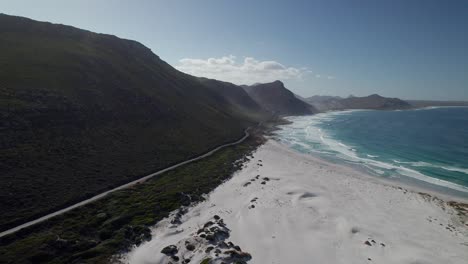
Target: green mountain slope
x,y
83,112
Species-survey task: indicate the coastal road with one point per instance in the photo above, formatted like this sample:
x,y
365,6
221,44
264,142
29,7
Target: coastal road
x,y
99,196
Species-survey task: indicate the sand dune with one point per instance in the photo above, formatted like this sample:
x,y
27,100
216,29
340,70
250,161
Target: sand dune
x,y
311,211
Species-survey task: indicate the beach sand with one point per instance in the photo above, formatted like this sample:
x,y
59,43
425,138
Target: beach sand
x,y
313,211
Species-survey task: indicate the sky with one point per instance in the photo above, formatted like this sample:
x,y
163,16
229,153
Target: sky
x,y
411,49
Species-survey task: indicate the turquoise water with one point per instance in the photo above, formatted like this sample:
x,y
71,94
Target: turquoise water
x,y
426,145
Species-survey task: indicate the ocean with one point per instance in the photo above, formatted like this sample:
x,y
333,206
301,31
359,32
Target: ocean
x,y
424,146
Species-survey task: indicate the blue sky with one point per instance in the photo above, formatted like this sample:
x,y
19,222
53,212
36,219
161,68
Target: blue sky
x,y
408,49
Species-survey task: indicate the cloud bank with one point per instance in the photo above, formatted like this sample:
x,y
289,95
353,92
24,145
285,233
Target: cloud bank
x,y
248,71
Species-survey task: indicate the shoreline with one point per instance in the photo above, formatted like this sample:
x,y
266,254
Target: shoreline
x,y
394,171
406,183
314,210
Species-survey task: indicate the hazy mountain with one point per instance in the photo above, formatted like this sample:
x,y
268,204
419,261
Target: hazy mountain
x,y
82,112
237,97
374,101
278,100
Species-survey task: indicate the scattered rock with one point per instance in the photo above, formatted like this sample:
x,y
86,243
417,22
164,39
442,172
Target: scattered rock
x,y
190,247
170,250
207,224
208,249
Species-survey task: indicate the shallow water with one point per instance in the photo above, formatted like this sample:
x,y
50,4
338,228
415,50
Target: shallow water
x,y
428,145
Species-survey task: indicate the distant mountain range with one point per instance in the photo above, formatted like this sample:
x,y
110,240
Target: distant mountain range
x,y
325,103
374,101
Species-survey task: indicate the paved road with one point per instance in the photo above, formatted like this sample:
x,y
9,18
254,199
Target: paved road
x,y
99,196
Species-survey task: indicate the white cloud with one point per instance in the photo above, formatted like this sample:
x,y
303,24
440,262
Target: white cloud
x,y
248,71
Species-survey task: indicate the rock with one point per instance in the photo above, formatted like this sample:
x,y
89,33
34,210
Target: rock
x,y
263,182
217,251
209,223
222,244
368,243
238,255
185,199
190,247
216,217
170,250
210,237
246,184
266,179
208,249
373,241
237,248
175,258
382,244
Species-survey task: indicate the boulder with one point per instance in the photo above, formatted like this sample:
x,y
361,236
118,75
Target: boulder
x,y
170,250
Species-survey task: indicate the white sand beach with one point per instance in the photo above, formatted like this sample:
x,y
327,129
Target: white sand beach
x,y
313,211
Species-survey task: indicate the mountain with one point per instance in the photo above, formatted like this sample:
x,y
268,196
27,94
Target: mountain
x,y
325,103
237,97
278,100
83,112
374,101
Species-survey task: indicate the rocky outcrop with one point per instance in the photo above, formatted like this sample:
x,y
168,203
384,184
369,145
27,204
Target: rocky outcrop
x,y
209,244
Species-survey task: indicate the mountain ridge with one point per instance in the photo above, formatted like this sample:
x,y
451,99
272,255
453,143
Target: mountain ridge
x,y
277,99
373,101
